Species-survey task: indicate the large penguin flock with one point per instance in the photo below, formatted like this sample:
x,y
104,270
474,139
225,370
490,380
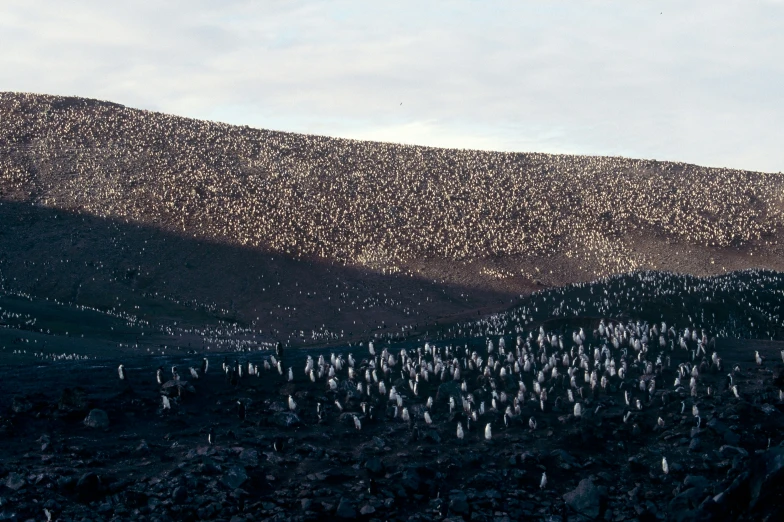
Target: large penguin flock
x,y
375,205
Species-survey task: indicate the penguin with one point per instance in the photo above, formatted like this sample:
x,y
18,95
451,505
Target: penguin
x,y
293,404
166,402
488,432
204,365
121,372
665,466
159,375
278,444
279,350
211,437
241,410
543,481
194,373
460,433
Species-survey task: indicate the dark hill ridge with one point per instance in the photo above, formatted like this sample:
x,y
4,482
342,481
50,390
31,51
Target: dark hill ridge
x,y
464,220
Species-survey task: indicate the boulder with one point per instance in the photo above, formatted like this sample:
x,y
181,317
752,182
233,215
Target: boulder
x,y
97,419
458,502
234,477
767,480
587,499
346,509
249,457
15,481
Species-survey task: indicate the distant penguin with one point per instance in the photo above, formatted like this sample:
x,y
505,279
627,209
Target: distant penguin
x,y
194,373
279,350
293,404
543,481
175,375
159,375
211,437
278,444
204,365
665,466
121,372
488,432
166,403
357,423
460,433
291,374
241,410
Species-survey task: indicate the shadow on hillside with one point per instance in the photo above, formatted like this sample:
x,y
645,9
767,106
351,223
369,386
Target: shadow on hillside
x,y
161,276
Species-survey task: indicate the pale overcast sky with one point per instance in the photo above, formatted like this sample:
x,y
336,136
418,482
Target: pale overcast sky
x,y
701,82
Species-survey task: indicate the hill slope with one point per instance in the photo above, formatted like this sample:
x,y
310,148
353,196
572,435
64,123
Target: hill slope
x,y
462,220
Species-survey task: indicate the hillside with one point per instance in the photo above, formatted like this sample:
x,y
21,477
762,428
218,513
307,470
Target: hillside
x,y
144,202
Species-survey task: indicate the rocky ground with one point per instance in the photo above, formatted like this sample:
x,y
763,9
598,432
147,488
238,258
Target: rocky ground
x,y
79,444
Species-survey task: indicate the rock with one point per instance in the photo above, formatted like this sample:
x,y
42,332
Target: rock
x,y
566,459
235,477
367,509
346,509
21,405
307,504
374,465
728,451
694,445
88,487
179,495
15,481
66,483
73,399
286,419
458,502
731,438
97,419
143,448
432,435
683,503
635,464
250,457
410,479
766,481
695,481
587,499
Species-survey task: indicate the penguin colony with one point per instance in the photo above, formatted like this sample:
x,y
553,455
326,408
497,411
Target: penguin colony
x,y
524,384
745,304
375,205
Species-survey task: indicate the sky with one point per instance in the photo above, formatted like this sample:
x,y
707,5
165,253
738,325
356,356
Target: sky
x,y
698,81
